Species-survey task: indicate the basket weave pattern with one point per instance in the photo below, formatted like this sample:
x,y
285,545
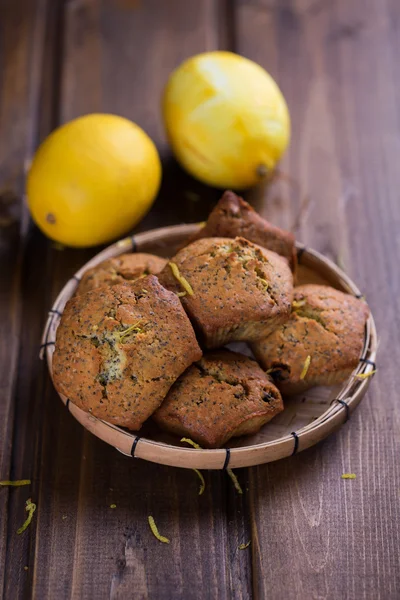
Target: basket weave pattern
x,y
305,421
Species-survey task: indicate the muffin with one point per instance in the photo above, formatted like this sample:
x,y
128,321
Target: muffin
x,y
223,395
237,290
125,267
233,217
321,343
120,348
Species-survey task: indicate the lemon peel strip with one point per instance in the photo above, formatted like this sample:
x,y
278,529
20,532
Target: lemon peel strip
x,y
272,370
191,442
298,303
306,367
244,546
182,280
30,508
229,471
235,481
203,483
349,476
155,531
366,375
200,476
16,483
127,331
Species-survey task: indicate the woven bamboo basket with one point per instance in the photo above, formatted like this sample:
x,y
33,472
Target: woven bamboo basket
x,y
306,419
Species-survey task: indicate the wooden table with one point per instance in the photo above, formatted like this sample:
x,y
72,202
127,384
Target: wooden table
x,y
313,535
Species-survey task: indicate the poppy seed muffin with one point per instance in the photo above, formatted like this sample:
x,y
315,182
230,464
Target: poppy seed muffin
x,y
223,395
237,290
233,217
320,344
120,348
125,267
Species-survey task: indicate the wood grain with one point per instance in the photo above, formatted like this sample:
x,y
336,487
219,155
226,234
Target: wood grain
x,y
316,535
116,58
313,535
22,42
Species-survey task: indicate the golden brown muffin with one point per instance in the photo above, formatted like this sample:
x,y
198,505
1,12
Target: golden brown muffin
x,y
125,267
223,395
240,291
328,327
233,217
120,348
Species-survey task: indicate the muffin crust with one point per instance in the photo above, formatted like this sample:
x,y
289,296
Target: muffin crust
x,y
223,395
120,348
326,325
122,268
233,217
240,291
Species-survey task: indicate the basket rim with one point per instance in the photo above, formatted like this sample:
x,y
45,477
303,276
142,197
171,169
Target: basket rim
x,y
131,444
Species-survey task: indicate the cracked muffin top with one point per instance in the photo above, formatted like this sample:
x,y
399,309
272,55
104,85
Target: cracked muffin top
x,y
223,395
120,348
237,290
125,267
321,343
233,217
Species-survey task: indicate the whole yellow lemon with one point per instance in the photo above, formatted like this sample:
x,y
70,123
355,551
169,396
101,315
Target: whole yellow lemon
x,y
92,180
226,119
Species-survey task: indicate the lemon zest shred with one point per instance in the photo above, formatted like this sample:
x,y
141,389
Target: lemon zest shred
x,y
244,546
298,303
235,481
366,375
113,506
182,280
264,281
127,331
181,294
155,531
203,483
200,475
229,471
305,367
272,370
192,443
30,509
349,476
125,242
16,483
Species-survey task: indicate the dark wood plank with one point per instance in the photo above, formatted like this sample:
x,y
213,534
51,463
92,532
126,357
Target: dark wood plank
x,y
314,534
116,57
123,55
22,42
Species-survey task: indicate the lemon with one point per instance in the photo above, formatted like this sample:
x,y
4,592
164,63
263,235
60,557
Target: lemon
x,y
92,180
226,119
